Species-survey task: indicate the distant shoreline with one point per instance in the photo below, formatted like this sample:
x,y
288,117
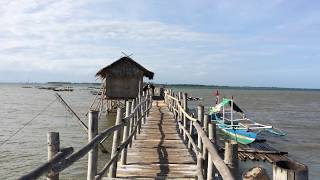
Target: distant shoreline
x,y
173,86
236,87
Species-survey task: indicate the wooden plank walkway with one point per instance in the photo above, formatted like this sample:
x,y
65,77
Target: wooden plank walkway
x,y
158,152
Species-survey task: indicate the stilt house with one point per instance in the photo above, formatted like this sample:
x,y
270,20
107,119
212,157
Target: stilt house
x,y
122,78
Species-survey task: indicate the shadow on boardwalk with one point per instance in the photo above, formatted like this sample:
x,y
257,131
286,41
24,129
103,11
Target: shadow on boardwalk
x,y
162,151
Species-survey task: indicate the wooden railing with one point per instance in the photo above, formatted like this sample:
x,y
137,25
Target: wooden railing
x,y
58,160
208,158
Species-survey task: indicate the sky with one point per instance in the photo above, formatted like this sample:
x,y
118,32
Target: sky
x,y
213,42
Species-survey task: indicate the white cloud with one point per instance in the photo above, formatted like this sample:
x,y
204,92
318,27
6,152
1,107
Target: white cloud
x,y
57,36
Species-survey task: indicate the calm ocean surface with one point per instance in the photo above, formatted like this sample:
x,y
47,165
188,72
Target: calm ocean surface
x,y
296,112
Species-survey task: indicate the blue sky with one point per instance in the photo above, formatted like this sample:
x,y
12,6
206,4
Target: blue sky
x,y
226,42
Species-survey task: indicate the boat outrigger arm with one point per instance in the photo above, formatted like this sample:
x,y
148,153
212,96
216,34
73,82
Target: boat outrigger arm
x,y
242,130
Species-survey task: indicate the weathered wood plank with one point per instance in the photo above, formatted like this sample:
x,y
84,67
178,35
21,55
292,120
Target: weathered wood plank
x,y
158,152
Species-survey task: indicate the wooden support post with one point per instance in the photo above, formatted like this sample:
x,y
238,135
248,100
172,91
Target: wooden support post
x,y
200,120
205,128
214,131
138,116
171,101
185,108
143,109
210,163
200,166
140,90
123,160
290,170
147,105
180,98
190,132
204,147
205,123
93,154
231,157
175,105
133,105
115,143
161,92
53,141
181,116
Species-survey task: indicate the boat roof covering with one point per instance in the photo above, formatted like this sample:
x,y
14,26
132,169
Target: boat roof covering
x,y
223,103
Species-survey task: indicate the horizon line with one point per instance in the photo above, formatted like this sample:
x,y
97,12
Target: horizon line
x,y
172,84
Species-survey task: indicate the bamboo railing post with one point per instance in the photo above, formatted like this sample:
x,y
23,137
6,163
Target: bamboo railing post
x,y
185,108
123,160
115,143
133,105
231,157
92,154
53,141
211,132
200,119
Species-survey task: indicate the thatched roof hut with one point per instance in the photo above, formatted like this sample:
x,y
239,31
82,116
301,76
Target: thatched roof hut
x,y
128,68
122,78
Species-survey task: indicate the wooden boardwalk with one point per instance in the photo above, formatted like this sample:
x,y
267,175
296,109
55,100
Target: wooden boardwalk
x,y
158,152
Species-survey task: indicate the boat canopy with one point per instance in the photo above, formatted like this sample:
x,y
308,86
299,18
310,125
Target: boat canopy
x,y
223,103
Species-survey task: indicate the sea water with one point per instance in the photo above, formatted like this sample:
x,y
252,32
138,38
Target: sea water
x,y
295,112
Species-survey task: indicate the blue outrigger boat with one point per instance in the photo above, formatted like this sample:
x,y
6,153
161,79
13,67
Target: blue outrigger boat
x,y
242,130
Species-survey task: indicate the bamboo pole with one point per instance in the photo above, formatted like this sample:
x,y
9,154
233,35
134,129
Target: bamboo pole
x,y
53,148
123,160
115,143
93,154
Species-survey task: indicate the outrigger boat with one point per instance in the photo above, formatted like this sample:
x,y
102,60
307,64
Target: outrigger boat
x,y
242,130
